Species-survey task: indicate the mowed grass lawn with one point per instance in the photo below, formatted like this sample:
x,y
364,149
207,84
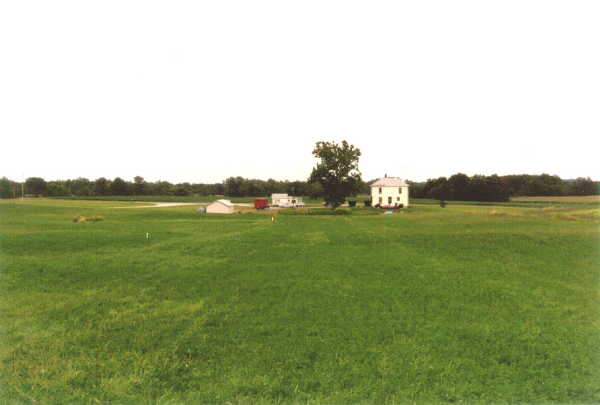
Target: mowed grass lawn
x,y
462,304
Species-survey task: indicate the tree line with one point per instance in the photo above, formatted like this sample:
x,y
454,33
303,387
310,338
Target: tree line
x,y
461,187
457,187
232,186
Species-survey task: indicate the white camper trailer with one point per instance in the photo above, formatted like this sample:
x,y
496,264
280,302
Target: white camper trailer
x,y
286,201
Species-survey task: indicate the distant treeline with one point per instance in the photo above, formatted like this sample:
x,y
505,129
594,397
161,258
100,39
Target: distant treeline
x,y
461,187
233,187
458,187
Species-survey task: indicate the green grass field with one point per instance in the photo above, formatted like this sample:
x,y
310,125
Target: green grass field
x,y
525,202
561,198
429,306
540,202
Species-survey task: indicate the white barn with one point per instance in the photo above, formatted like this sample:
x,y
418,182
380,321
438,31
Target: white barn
x,y
220,207
389,192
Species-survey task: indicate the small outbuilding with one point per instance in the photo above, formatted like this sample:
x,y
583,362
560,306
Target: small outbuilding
x,y
286,201
220,207
389,192
276,198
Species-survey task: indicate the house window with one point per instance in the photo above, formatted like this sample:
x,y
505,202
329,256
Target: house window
x,y
389,200
380,200
400,190
379,190
397,198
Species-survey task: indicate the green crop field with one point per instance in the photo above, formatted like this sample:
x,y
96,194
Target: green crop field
x,y
526,202
463,304
562,198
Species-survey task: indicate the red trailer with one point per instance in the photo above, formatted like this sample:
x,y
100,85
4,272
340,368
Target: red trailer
x,y
261,203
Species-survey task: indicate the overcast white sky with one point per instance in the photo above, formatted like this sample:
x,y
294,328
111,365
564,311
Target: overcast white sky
x,y
199,91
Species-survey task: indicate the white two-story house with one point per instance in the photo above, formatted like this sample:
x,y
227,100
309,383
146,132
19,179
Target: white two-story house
x,y
389,192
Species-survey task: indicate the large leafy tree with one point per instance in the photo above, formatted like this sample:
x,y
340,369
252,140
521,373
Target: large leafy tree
x,y
80,186
584,186
6,188
162,188
337,171
458,185
139,185
102,186
118,187
58,188
36,185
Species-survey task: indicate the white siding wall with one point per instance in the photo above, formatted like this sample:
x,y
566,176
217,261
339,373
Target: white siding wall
x,y
277,199
387,192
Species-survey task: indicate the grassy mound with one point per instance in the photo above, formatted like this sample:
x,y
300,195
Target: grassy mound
x,y
93,218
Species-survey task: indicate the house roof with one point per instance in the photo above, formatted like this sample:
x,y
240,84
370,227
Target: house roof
x,y
389,182
279,195
225,202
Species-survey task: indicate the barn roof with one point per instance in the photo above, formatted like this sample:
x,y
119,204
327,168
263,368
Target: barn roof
x,y
225,202
389,182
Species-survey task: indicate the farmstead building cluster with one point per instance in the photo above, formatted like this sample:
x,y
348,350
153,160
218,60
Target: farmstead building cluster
x,y
389,192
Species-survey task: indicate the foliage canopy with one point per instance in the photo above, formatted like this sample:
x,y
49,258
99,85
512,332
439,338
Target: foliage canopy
x,y
36,186
337,171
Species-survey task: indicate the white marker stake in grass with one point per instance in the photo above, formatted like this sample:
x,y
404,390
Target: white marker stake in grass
x,y
272,218
147,235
